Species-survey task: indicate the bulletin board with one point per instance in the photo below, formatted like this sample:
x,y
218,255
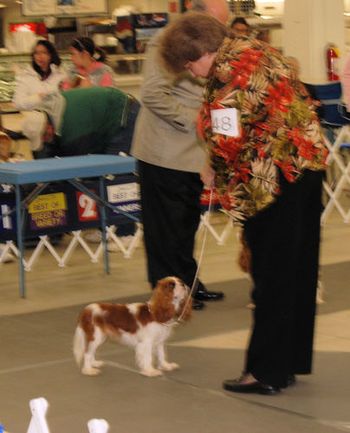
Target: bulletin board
x,y
63,7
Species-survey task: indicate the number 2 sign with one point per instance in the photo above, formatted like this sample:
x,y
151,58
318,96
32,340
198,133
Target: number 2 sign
x,y
225,121
87,207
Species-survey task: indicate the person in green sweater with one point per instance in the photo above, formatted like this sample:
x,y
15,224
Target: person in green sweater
x,y
83,121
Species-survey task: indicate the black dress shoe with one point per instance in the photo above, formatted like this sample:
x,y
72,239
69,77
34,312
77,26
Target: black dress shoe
x,y
197,305
207,295
236,385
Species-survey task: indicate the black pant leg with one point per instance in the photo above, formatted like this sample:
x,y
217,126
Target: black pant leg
x,y
271,239
170,214
307,274
276,239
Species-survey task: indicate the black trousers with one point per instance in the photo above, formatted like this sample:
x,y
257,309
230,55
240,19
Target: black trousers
x,y
170,201
284,241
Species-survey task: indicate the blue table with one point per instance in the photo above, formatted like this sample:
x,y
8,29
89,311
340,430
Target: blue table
x,y
70,169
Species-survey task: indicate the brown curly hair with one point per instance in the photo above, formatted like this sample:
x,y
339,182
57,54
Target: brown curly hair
x,y
190,37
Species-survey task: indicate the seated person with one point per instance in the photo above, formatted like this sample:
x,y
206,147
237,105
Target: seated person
x,y
88,67
42,77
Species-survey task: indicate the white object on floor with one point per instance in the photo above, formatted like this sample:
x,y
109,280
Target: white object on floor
x,y
98,426
38,423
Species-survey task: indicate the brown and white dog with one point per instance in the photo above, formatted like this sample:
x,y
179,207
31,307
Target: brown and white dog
x,y
143,326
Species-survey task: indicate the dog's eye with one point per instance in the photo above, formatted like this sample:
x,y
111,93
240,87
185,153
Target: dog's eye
x,y
171,285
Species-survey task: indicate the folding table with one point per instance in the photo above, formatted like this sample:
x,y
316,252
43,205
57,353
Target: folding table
x,y
70,169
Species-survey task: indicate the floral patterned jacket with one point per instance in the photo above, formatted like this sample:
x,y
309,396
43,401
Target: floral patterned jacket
x,y
278,128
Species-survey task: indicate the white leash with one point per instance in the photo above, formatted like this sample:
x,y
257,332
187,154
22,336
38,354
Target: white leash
x,y
200,259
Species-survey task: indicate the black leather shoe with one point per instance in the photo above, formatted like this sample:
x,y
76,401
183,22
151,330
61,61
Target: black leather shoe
x,y
197,305
207,295
236,385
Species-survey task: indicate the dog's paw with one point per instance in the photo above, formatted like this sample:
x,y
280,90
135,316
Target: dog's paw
x,y
98,364
169,366
90,371
151,372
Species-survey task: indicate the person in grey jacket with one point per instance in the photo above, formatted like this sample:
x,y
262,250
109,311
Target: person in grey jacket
x,y
170,159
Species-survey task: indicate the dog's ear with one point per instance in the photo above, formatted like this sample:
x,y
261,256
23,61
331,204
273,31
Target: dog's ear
x,y
162,306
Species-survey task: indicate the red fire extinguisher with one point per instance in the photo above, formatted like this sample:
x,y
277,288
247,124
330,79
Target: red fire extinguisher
x,y
332,56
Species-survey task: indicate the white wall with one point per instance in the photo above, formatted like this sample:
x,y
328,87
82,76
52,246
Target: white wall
x,y
309,26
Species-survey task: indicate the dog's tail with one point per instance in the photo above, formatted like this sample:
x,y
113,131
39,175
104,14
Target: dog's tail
x,y
79,345
84,326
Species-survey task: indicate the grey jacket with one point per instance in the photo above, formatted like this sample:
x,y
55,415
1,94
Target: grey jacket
x,y
165,133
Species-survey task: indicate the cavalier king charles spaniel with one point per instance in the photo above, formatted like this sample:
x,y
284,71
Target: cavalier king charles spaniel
x,y
144,326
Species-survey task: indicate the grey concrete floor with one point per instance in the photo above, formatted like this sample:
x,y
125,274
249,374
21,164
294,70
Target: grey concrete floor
x,y
36,360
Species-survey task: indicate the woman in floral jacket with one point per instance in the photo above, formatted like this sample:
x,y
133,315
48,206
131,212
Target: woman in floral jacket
x,y
266,160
